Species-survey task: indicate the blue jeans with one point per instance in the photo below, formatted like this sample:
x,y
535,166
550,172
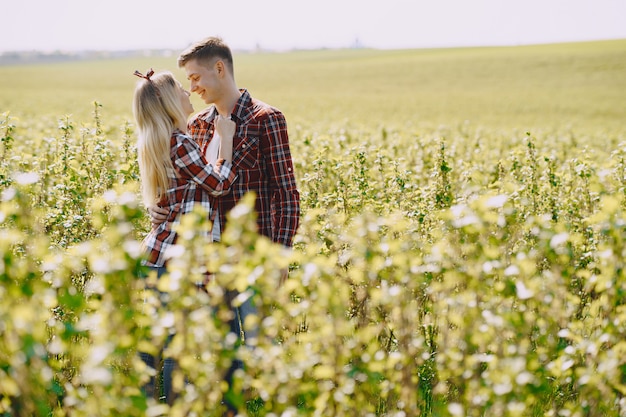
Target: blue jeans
x,y
166,367
247,308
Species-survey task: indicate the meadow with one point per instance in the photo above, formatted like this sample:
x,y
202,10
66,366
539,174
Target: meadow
x,y
461,250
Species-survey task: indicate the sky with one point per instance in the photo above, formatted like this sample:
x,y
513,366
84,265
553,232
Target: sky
x,y
74,25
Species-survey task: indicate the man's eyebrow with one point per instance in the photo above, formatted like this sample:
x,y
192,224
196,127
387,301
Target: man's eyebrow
x,y
191,75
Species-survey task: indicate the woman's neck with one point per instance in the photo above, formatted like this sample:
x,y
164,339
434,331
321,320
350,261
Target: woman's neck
x,y
182,128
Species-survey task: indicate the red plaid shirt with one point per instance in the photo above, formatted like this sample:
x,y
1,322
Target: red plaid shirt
x,y
193,181
263,162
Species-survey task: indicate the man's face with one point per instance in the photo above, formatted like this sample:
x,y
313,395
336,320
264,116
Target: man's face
x,y
204,80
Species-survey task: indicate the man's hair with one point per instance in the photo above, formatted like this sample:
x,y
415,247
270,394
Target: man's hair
x,y
205,50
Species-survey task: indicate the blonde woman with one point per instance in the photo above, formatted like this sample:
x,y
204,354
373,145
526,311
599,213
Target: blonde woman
x,y
175,173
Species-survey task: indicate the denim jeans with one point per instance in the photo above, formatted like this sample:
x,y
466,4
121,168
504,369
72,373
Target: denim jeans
x,y
165,367
247,308
168,365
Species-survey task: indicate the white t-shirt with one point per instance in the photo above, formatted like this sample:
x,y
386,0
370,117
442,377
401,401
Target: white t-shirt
x,y
212,152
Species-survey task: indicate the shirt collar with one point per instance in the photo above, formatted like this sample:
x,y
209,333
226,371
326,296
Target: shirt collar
x,y
243,107
242,111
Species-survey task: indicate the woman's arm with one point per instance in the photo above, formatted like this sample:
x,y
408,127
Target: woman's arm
x,y
193,166
189,159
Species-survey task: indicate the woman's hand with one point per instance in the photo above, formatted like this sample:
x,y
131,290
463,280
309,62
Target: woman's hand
x,y
225,127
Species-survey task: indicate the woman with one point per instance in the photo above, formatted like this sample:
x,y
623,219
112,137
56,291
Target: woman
x,y
175,173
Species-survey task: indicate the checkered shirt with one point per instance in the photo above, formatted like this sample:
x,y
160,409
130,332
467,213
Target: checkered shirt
x,y
262,158
193,181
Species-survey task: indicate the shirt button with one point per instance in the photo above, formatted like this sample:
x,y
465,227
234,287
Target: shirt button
x,y
244,146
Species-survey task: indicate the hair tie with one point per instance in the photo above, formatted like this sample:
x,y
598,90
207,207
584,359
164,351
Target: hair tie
x,y
146,77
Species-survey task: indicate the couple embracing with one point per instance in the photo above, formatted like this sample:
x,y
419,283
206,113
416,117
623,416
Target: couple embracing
x,y
236,145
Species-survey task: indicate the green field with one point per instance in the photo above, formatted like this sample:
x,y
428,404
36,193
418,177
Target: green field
x,y
461,250
557,87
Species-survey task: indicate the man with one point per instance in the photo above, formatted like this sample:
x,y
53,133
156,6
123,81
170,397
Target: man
x,y
261,154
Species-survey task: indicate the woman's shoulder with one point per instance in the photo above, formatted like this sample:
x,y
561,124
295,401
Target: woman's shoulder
x,y
182,144
177,133
179,136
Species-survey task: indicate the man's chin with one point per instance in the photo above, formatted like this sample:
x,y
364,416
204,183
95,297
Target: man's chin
x,y
205,99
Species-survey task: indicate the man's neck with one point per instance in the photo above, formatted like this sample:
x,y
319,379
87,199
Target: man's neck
x,y
226,105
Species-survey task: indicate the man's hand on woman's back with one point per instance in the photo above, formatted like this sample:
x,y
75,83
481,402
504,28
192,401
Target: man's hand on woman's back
x,y
157,215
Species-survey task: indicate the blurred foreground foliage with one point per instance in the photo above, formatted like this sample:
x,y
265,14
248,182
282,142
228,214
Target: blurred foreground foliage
x,y
449,272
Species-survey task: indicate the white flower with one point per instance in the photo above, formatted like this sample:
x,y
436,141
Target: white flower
x,y
558,240
26,178
523,293
497,201
109,196
455,409
127,198
174,251
511,270
133,248
8,194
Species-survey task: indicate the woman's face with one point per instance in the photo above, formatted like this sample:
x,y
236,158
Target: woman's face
x,y
185,101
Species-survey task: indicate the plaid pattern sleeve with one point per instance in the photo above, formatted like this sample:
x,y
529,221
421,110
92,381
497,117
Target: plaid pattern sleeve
x,y
190,161
285,199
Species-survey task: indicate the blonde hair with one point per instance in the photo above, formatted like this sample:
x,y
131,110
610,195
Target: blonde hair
x,y
158,112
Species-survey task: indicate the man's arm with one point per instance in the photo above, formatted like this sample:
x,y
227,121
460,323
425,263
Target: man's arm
x,y
285,198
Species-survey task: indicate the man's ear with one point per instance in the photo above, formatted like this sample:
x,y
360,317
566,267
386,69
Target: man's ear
x,y
220,67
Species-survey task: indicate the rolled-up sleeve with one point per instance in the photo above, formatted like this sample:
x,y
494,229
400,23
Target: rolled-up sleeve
x,y
285,198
